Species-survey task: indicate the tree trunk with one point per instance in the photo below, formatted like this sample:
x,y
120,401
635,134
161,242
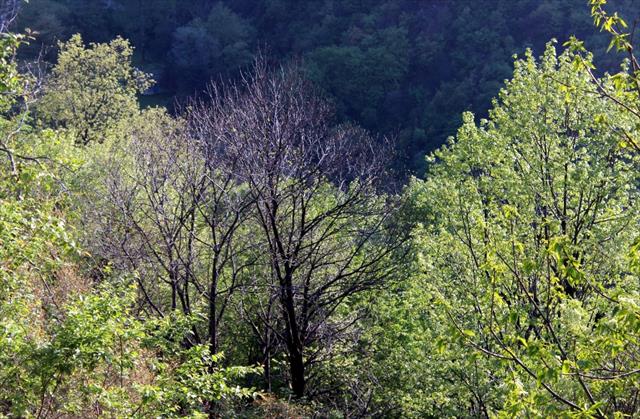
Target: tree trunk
x,y
296,366
213,330
213,324
266,354
293,340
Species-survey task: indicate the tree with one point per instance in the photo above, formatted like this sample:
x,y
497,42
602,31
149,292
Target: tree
x,y
403,366
412,67
72,338
532,215
148,25
217,45
175,212
626,94
322,226
361,76
171,211
13,87
92,90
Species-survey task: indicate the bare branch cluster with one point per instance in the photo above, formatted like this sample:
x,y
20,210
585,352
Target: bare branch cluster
x,y
8,13
254,200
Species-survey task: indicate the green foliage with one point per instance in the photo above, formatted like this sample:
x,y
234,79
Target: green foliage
x,y
626,82
194,383
529,216
416,373
218,44
521,298
67,345
361,75
11,82
92,90
27,235
395,66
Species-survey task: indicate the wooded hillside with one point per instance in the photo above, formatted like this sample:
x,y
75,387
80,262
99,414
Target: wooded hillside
x,y
251,252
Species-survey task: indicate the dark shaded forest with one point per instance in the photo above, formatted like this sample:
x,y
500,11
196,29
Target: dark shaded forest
x,y
404,68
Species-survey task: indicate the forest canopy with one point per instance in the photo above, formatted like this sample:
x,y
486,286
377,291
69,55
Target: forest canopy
x,y
257,250
401,68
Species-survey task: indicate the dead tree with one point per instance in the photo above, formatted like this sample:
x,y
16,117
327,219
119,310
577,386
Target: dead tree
x,y
224,206
320,223
174,215
148,225
8,13
256,189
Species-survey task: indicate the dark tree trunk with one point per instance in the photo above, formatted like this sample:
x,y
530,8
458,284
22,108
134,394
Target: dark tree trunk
x,y
267,361
296,366
213,324
293,340
213,331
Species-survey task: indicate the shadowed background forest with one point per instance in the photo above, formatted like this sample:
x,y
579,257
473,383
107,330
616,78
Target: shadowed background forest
x,y
405,68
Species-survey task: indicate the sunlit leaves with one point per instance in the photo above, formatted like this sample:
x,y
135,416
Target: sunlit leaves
x,y
523,209
93,89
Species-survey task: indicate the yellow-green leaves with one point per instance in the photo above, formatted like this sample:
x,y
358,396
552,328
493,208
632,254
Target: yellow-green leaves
x,y
93,89
531,215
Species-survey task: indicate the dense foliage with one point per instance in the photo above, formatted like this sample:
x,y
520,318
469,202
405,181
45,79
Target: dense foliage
x,y
402,67
248,255
532,221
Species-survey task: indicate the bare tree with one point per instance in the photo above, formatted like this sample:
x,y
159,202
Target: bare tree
x,y
8,13
253,189
150,209
321,224
174,215
224,205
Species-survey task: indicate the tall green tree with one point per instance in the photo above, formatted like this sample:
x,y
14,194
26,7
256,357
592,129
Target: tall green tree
x,y
529,218
93,89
